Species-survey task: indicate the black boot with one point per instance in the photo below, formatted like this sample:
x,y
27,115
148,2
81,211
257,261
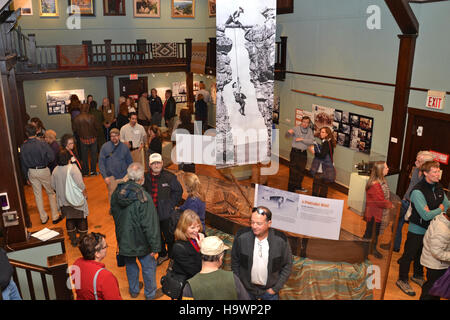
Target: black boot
x,y
73,238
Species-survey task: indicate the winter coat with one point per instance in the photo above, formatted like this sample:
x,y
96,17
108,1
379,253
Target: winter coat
x,y
436,244
136,220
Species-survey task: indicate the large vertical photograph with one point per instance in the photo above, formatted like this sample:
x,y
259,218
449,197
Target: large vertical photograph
x,y
245,32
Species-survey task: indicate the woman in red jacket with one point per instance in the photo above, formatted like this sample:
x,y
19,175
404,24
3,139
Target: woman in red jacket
x,y
92,280
377,203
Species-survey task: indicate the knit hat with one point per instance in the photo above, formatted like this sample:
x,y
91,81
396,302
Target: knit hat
x,y
212,246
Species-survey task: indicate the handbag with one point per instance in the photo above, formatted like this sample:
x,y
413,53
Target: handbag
x,y
441,288
74,194
171,285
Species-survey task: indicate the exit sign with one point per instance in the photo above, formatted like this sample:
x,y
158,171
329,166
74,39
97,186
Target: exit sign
x,y
133,76
435,100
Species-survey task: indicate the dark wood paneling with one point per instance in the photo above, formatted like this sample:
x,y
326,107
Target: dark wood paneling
x,y
285,6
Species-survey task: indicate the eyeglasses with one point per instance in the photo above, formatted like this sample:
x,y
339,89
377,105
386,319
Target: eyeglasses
x,y
264,212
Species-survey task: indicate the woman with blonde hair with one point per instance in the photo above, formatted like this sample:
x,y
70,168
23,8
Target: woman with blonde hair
x,y
186,256
377,203
196,196
50,138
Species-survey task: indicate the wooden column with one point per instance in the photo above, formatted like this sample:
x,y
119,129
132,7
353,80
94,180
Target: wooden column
x,y
283,56
9,158
189,76
110,89
401,98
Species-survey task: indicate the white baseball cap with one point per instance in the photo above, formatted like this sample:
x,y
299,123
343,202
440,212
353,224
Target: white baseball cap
x,y
212,246
155,157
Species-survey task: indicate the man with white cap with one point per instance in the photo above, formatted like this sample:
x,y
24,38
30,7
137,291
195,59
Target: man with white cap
x,y
166,192
213,283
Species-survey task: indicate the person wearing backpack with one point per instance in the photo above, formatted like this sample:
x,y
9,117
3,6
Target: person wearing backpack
x,y
71,196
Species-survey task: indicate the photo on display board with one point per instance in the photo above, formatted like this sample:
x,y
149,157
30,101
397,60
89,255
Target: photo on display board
x,y
26,7
345,117
323,117
354,120
354,131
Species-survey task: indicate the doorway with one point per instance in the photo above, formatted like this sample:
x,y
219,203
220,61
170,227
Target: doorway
x,y
426,130
133,88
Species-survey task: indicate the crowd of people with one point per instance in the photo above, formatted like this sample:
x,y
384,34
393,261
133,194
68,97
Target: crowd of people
x,y
144,198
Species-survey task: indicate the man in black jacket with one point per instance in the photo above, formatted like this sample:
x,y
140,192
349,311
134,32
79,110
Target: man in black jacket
x,y
8,287
261,257
166,192
156,107
169,111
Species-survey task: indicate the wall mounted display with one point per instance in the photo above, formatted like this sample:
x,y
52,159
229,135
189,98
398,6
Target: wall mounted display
x,y
26,7
323,117
183,8
245,33
58,101
212,8
353,131
147,8
114,8
48,8
87,7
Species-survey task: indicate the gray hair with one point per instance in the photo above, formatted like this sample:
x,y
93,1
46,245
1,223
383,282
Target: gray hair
x,y
135,171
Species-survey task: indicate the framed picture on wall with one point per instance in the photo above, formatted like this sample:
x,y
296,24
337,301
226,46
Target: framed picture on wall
x,y
147,8
212,8
58,101
183,8
48,8
114,8
85,7
26,7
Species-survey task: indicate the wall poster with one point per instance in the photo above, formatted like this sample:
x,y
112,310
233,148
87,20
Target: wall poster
x,y
58,101
245,33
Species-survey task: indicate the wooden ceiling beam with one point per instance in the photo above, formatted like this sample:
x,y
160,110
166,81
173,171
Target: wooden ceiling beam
x,y
404,16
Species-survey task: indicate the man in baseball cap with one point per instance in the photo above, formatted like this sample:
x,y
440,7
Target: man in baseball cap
x,y
213,283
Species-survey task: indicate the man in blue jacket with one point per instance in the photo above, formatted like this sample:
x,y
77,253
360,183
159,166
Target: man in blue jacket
x,y
115,157
166,192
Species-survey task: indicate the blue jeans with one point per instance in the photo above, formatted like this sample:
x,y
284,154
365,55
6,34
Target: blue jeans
x,y
401,222
264,296
11,292
148,264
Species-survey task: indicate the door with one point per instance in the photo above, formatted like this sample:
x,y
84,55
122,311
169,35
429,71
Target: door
x,y
430,131
133,88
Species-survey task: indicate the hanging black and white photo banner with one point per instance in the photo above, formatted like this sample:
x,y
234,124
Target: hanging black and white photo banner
x,y
245,32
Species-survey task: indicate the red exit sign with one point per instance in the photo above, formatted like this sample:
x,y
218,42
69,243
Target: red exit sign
x,y
133,76
440,157
435,100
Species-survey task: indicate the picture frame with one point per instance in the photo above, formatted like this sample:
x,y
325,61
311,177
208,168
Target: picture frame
x,y
147,8
26,7
114,8
48,8
212,8
183,8
87,7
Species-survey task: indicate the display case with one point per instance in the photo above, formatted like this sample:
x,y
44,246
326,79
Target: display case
x,y
362,164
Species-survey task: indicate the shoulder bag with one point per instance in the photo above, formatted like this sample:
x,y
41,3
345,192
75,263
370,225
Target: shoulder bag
x,y
74,194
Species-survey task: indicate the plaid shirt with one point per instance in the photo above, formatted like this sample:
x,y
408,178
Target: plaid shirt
x,y
155,189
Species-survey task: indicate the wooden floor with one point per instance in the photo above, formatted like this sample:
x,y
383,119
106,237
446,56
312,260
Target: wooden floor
x,y
101,221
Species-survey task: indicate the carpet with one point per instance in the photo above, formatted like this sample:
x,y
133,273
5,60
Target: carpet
x,y
164,50
198,59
